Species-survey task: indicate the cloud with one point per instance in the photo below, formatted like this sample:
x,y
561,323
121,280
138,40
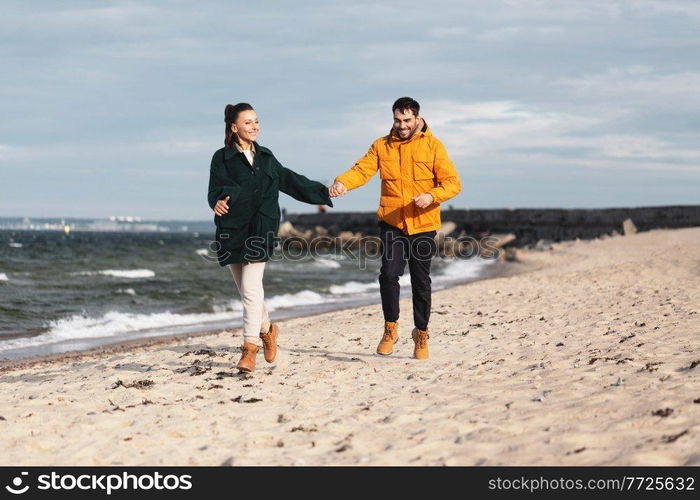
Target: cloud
x,y
507,33
185,145
638,85
449,32
70,155
7,152
489,132
112,93
652,8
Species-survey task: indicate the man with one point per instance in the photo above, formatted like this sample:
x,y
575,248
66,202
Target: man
x,y
417,175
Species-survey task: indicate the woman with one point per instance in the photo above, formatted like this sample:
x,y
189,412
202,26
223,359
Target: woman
x,y
244,184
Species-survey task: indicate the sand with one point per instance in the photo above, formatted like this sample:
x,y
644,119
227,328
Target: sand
x,y
591,357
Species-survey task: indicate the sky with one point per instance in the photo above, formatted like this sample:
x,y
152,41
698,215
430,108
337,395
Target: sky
x,y
115,108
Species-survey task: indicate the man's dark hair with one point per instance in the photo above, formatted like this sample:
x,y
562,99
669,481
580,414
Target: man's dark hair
x,y
404,103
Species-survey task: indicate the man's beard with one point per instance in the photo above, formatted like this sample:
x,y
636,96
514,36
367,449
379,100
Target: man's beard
x,y
410,133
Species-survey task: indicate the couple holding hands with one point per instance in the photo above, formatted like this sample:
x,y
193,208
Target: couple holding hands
x,y
244,184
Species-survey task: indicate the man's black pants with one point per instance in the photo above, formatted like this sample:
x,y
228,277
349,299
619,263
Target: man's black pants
x,y
397,249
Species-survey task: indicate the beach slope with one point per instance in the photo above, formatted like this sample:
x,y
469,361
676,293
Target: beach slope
x,y
590,358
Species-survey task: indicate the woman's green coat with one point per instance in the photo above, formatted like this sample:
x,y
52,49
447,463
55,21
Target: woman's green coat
x,y
248,232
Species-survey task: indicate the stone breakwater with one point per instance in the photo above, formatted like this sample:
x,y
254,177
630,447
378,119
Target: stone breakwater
x,y
531,226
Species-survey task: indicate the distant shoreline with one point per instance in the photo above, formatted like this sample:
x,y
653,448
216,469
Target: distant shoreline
x,y
556,224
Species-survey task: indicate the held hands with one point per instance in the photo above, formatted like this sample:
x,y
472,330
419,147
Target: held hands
x,y
221,206
423,200
337,189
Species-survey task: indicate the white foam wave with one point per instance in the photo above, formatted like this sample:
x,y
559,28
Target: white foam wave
x,y
463,269
202,251
234,305
14,244
112,324
287,300
335,256
456,270
116,323
331,264
119,273
129,273
123,323
353,287
303,298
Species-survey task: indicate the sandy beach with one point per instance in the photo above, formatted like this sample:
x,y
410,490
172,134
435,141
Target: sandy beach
x,y
591,356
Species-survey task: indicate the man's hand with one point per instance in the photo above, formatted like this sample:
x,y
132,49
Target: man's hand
x,y
221,206
337,189
423,200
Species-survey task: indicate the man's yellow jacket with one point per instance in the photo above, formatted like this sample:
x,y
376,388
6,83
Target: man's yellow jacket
x,y
407,168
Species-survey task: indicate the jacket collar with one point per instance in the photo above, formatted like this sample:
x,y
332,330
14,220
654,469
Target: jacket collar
x,y
240,149
257,148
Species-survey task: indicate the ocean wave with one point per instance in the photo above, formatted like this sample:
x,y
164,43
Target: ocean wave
x,y
463,269
119,273
303,298
115,323
130,325
112,324
203,251
128,273
14,244
455,270
234,305
327,263
334,256
353,287
286,300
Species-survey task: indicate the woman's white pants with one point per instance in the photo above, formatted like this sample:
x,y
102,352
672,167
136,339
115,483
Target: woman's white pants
x,y
249,280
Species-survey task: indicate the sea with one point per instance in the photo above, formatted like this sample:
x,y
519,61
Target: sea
x,y
72,291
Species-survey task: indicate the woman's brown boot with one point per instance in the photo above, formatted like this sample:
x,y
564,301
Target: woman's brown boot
x,y
269,340
248,353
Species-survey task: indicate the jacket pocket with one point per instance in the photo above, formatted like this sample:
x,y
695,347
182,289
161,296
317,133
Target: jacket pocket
x,y
390,172
390,200
273,185
423,169
268,222
428,217
423,176
232,238
389,169
391,214
240,209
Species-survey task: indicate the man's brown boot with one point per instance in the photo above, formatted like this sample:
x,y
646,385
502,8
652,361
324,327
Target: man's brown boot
x,y
248,353
391,335
269,340
420,337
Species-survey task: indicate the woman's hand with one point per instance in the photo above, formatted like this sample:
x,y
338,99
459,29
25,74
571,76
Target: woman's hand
x,y
221,206
337,189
